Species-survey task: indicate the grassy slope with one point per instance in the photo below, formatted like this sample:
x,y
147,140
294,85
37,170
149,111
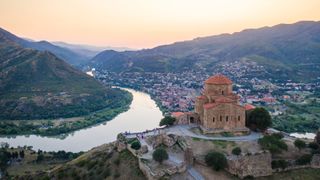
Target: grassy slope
x,y
38,85
102,162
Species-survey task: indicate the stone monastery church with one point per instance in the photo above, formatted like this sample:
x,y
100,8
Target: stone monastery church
x,y
217,109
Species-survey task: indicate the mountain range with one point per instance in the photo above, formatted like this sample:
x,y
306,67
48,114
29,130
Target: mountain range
x,y
88,51
288,51
38,85
63,53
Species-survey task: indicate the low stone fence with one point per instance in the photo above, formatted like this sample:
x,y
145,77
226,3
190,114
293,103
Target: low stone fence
x,y
315,163
291,168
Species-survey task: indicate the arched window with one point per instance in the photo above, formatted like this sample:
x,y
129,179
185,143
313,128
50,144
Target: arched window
x,y
238,118
222,92
213,119
227,118
220,118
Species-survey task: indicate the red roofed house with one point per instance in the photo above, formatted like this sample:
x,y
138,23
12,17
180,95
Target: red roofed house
x,y
218,108
249,107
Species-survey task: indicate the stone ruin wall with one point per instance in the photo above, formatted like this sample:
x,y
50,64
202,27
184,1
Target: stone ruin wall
x,y
256,165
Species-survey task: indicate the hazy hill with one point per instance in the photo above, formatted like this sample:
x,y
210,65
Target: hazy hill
x,y
37,84
63,53
286,50
88,50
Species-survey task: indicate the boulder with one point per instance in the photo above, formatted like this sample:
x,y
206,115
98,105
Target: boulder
x,y
167,140
143,149
121,145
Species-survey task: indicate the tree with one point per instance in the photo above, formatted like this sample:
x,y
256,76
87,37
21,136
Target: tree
x,y
167,121
299,144
4,158
216,160
273,143
136,145
259,118
279,164
304,159
160,155
40,157
313,145
317,138
21,153
236,151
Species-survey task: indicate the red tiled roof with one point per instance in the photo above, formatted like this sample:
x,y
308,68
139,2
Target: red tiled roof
x,y
202,97
177,114
210,105
249,107
218,79
268,99
223,100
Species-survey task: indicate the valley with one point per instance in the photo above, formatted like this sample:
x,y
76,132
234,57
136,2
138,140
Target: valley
x,y
105,124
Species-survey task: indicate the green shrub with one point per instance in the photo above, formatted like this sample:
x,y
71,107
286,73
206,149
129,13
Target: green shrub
x,y
216,160
167,121
273,144
91,164
160,154
279,164
299,144
116,174
136,145
236,151
313,145
40,157
117,161
82,163
304,159
106,172
278,135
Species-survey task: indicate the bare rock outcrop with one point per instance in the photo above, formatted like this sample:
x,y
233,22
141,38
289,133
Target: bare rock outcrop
x,y
167,140
121,142
143,149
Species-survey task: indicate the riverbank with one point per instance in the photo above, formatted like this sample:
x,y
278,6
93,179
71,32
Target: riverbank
x,y
143,114
61,126
163,109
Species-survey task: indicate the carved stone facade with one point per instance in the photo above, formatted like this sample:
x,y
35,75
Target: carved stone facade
x,y
218,107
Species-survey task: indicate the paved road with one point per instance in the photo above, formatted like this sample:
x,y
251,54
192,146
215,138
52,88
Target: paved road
x,y
184,130
195,174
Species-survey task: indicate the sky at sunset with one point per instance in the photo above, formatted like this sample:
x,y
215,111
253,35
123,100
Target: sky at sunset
x,y
145,23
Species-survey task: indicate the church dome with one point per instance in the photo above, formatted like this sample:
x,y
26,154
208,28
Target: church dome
x,y
218,79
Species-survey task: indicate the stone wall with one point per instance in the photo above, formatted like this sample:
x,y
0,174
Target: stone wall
x,y
256,165
157,173
218,89
187,118
225,116
315,162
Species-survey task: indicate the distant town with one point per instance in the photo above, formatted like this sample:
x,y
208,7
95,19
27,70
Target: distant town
x,y
177,91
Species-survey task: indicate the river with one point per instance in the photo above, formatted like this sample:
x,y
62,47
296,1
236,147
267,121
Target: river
x,y
143,114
